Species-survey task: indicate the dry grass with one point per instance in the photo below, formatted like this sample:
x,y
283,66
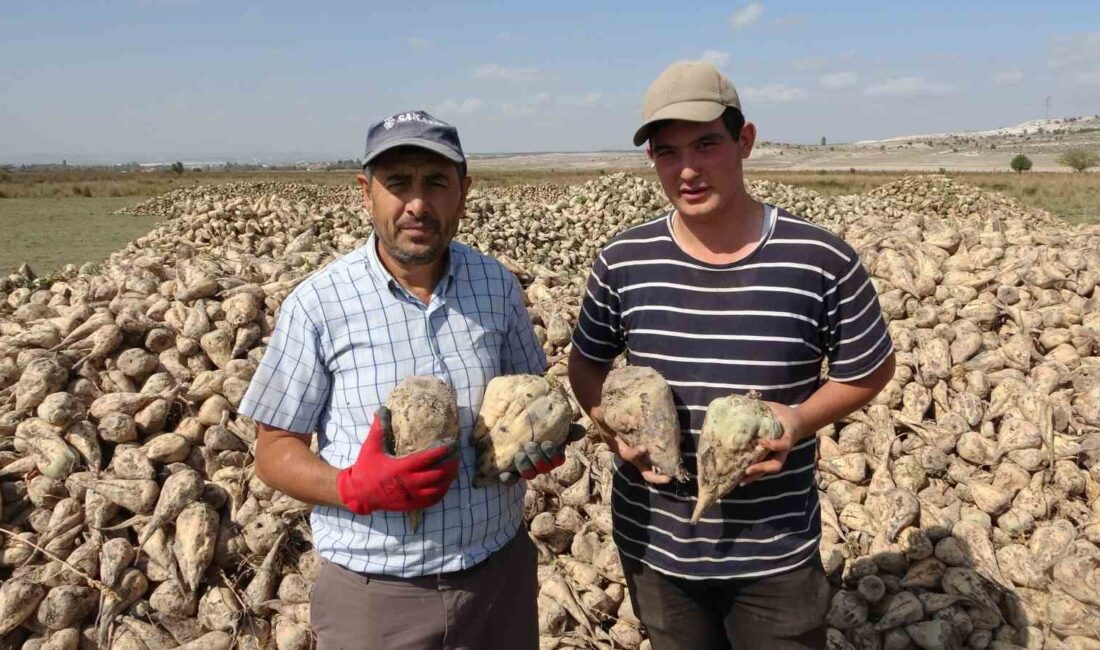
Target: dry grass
x,y
1074,197
49,233
108,184
65,217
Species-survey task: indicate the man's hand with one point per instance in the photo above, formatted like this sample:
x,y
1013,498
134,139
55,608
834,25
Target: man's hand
x,y
636,456
793,433
539,458
533,459
378,481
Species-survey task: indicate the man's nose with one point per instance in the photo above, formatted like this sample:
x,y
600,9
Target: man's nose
x,y
416,206
688,169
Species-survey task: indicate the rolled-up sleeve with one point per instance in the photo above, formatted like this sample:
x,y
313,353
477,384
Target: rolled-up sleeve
x,y
522,353
598,334
290,389
856,337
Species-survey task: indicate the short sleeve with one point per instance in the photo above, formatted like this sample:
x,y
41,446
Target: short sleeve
x,y
290,389
856,338
522,353
598,334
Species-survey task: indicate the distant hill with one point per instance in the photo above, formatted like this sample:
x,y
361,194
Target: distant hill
x,y
1085,123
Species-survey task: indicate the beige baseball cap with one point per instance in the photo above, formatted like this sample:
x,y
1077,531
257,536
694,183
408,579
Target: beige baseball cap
x,y
691,90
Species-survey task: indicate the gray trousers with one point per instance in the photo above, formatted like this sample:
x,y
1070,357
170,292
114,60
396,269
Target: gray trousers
x,y
490,606
781,612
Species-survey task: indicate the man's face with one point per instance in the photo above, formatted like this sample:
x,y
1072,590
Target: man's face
x,y
699,165
416,200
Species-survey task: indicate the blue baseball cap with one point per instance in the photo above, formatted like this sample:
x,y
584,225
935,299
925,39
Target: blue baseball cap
x,y
414,129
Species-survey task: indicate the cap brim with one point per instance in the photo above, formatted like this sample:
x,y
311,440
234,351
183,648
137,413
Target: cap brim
x,y
689,111
434,147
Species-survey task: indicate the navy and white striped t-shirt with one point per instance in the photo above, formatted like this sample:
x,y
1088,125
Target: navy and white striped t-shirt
x,y
764,323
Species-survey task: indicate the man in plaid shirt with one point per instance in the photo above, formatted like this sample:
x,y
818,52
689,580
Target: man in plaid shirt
x,y
410,302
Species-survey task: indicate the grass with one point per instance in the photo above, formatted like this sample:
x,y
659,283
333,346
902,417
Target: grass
x,y
506,177
112,184
49,233
1074,197
58,218
64,217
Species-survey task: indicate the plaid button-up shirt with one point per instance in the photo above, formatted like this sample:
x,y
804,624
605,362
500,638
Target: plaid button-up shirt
x,y
345,338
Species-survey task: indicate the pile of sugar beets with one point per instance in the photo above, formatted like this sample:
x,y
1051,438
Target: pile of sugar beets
x,y
960,509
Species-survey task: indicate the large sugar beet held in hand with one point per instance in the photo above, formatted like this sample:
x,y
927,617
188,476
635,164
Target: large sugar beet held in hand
x,y
424,415
729,444
637,405
517,409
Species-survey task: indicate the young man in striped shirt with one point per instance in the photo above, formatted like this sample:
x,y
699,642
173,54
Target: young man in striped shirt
x,y
724,295
409,302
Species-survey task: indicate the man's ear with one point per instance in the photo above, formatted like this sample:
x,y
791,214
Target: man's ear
x,y
465,184
649,152
364,182
747,139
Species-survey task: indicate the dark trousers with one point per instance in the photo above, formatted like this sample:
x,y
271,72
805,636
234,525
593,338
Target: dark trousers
x,y
785,611
491,606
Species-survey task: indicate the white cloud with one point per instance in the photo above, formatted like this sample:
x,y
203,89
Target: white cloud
x,y
505,36
529,106
1087,78
820,63
543,102
907,87
593,98
416,42
467,106
1075,49
810,63
1008,77
512,108
746,15
716,57
497,72
586,100
774,93
838,80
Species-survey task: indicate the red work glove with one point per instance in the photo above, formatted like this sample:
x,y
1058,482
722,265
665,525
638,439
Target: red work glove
x,y
379,481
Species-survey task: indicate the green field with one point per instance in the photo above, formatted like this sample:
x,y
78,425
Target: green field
x,y
51,232
51,219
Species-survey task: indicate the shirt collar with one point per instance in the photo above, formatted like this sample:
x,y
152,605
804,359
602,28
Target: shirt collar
x,y
379,271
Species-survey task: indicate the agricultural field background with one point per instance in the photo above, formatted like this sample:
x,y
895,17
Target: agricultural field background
x,y
48,219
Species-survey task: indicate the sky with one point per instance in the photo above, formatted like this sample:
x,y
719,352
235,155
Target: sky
x,y
211,81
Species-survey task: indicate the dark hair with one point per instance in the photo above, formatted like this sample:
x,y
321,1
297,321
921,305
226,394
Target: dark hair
x,y
731,118
734,120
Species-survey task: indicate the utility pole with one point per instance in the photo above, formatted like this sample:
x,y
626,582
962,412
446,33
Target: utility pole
x,y
1049,98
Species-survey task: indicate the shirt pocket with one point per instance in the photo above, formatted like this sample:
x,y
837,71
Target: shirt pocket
x,y
482,344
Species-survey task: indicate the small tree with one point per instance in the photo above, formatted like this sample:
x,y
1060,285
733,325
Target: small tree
x,y
823,141
1078,159
1021,163
177,167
